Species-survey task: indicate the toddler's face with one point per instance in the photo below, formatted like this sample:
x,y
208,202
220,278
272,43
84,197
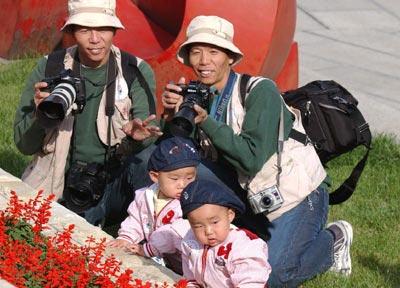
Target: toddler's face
x,y
211,223
172,183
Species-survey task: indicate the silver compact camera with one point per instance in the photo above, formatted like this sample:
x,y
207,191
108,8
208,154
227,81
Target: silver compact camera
x,y
266,201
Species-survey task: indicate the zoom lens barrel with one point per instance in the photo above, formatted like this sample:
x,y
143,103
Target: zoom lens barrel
x,y
53,109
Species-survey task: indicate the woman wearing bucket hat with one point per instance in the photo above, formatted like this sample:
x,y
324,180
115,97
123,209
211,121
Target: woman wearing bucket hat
x,y
244,135
107,138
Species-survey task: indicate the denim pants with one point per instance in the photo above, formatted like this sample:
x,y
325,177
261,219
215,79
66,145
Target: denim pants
x,y
120,192
300,247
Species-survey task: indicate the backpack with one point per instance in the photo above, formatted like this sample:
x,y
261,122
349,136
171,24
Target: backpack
x,y
55,64
332,122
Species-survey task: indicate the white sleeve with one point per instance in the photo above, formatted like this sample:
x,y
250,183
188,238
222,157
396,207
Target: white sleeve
x,y
167,238
248,264
187,272
131,228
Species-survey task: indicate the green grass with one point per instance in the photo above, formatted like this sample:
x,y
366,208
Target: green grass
x,y
12,81
373,210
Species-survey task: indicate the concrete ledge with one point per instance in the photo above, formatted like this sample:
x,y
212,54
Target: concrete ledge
x,y
145,269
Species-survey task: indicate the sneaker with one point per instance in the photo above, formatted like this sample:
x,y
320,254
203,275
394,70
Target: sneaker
x,y
341,248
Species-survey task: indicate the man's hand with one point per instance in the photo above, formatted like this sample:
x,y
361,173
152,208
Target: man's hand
x,y
39,94
171,100
201,114
135,249
140,130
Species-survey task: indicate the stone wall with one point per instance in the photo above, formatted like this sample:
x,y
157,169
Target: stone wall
x,y
145,269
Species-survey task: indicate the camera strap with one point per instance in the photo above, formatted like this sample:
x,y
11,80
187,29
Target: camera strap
x,y
110,104
219,103
280,146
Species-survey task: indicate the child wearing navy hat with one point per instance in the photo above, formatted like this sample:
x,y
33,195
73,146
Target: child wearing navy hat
x,y
216,253
146,231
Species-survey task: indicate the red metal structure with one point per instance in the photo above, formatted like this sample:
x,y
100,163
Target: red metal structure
x,y
264,32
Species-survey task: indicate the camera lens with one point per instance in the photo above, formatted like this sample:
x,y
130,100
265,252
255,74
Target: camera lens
x,y
182,125
81,196
266,201
52,110
183,121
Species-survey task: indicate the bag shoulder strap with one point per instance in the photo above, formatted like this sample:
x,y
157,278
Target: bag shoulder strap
x,y
55,63
130,71
128,61
244,81
347,188
245,87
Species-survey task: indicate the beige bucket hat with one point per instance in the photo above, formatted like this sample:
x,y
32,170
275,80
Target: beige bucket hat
x,y
92,13
211,30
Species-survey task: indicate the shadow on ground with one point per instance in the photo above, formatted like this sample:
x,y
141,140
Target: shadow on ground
x,y
388,272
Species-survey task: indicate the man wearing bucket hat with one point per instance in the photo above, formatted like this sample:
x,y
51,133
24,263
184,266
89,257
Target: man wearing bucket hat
x,y
92,150
245,139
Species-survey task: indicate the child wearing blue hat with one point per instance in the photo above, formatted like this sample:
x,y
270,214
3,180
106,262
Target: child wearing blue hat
x,y
215,253
172,166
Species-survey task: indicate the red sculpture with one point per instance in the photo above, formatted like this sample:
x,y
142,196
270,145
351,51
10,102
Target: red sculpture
x,y
264,32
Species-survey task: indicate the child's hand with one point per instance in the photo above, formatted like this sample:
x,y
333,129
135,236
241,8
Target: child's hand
x,y
118,243
135,249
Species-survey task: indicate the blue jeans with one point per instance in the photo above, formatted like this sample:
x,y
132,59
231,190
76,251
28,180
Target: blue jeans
x,y
120,192
300,247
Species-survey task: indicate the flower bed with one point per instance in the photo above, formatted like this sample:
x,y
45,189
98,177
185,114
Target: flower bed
x,y
30,259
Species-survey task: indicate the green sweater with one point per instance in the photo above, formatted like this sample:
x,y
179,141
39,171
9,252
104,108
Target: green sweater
x,y
86,145
257,141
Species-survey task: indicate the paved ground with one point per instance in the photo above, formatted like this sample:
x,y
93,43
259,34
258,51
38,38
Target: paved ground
x,y
357,44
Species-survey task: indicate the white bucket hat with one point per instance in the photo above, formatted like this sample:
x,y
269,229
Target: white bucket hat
x,y
92,13
211,30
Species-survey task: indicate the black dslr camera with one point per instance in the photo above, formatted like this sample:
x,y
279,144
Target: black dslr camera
x,y
193,93
65,90
84,186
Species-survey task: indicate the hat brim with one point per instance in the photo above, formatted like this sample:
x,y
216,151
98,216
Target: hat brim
x,y
183,53
174,166
239,210
93,20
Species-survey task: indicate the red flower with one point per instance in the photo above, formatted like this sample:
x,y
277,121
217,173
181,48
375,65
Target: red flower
x,y
28,257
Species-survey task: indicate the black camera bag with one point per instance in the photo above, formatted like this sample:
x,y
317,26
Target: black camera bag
x,y
332,122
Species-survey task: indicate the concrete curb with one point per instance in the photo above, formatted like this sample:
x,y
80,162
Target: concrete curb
x,y
145,269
